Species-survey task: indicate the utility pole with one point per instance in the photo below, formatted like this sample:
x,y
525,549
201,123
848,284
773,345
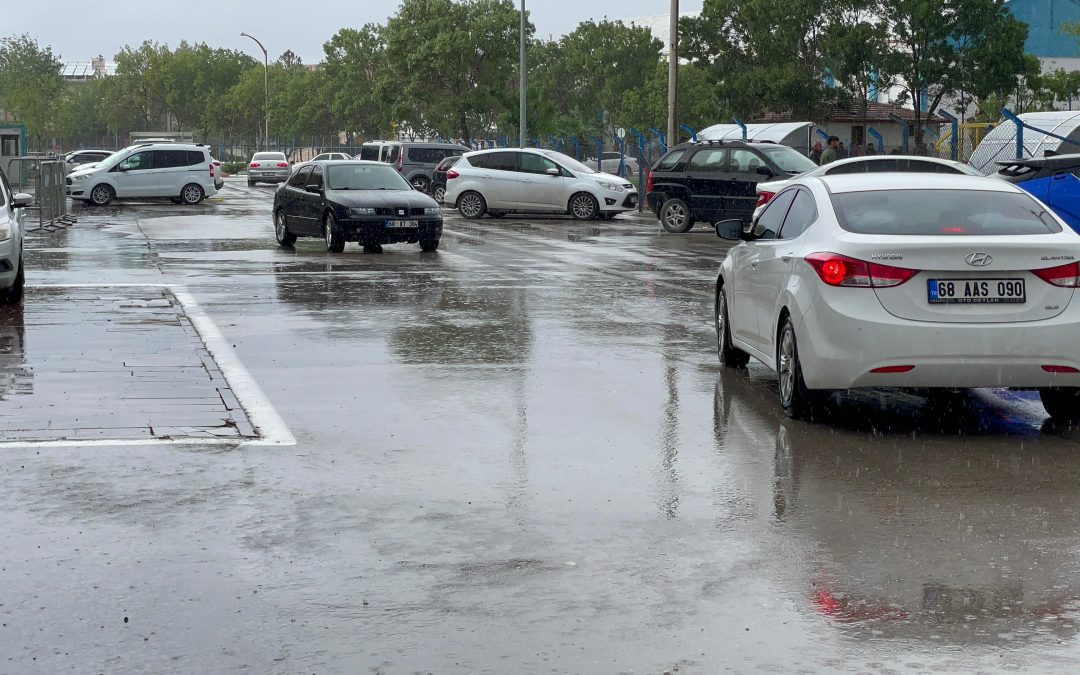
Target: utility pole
x,y
522,142
266,91
673,77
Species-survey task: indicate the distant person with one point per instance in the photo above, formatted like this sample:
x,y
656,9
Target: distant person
x,y
895,151
841,151
831,153
815,154
870,149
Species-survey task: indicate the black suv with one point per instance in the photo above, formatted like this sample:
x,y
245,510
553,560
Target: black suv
x,y
710,181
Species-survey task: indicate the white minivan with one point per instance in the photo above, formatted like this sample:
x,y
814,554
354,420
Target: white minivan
x,y
182,172
534,180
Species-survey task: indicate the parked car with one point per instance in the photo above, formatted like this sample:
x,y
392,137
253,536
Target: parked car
x,y
438,177
417,161
329,156
532,180
372,151
871,164
219,174
268,167
609,163
83,157
711,181
12,214
1054,180
911,280
366,202
182,172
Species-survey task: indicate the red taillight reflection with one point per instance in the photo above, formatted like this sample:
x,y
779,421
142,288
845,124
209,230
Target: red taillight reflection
x,y
254,165
840,270
887,370
648,183
764,197
1067,276
1060,369
451,174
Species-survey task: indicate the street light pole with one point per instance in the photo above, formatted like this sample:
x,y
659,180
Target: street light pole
x,y
673,77
266,91
521,66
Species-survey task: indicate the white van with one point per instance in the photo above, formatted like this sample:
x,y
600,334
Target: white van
x,y
184,173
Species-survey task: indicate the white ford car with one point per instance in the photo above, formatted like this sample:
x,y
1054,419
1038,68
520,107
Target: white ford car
x,y
182,172
533,180
904,280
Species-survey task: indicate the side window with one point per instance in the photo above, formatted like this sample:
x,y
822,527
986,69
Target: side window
x,y
801,215
299,179
929,167
194,157
530,163
369,152
316,176
391,154
672,159
499,161
140,160
745,161
772,218
709,160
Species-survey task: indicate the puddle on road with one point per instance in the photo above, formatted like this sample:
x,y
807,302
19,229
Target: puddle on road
x,y
110,364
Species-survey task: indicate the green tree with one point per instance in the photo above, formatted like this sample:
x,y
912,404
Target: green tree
x,y
355,87
453,65
854,50
30,83
941,49
138,93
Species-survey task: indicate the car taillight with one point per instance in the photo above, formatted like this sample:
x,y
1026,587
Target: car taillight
x,y
648,183
254,165
401,162
840,270
764,197
283,165
1062,275
451,174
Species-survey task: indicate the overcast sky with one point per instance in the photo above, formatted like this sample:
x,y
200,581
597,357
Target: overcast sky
x,y
78,32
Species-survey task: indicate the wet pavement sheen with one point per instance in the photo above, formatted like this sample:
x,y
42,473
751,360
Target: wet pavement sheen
x,y
517,455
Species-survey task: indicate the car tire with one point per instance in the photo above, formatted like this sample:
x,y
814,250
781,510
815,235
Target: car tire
x,y
335,240
1061,403
14,294
583,206
284,237
675,216
251,183
471,205
438,192
730,356
429,245
192,194
421,183
796,400
102,195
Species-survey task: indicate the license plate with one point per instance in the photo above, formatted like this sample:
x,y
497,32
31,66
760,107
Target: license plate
x,y
976,291
269,173
402,223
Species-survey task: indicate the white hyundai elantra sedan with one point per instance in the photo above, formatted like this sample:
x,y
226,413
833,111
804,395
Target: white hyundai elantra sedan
x,y
904,280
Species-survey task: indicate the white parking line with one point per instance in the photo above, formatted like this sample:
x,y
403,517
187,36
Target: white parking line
x,y
262,414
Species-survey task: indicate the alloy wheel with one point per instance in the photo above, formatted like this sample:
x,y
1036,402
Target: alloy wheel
x,y
786,366
582,207
470,205
675,216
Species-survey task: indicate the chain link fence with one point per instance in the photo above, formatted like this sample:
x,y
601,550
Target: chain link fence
x,y
45,179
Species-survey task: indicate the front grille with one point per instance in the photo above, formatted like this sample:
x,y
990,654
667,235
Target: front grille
x,y
399,212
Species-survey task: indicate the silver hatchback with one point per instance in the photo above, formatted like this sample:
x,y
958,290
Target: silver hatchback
x,y
268,167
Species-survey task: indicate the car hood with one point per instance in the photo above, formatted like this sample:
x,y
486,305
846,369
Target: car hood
x,y
381,198
83,170
604,177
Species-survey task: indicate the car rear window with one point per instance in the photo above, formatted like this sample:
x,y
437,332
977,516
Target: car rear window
x,y
942,212
668,163
900,164
369,152
269,156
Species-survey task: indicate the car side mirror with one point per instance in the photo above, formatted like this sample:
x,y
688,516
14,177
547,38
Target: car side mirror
x,y
21,199
552,172
729,230
765,171
313,188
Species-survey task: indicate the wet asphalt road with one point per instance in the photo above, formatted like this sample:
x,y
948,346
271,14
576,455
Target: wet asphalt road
x,y
517,455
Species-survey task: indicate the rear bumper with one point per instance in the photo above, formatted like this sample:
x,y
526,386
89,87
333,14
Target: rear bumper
x,y
841,343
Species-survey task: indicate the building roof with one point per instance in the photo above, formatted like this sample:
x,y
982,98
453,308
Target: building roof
x,y
85,70
853,114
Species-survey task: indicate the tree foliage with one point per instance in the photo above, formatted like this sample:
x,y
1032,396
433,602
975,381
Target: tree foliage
x,y
30,83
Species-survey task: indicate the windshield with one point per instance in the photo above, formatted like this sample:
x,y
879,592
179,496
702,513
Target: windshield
x,y
569,162
942,212
114,159
365,177
787,159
